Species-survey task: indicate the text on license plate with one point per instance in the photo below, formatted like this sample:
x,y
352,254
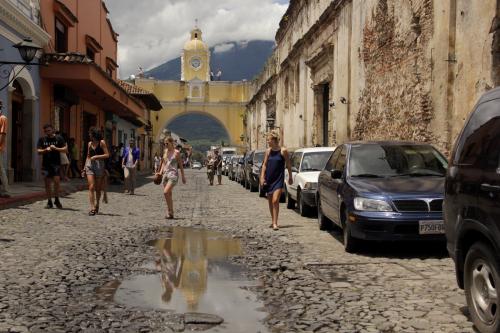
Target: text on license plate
x,y
431,227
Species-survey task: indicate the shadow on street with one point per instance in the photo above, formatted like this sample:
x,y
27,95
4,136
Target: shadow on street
x,y
397,249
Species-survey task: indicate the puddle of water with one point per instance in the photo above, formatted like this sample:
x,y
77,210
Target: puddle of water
x,y
195,276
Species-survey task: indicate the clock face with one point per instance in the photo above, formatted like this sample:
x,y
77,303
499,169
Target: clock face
x,y
196,63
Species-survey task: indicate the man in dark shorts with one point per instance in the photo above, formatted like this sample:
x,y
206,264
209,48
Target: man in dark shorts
x,y
50,147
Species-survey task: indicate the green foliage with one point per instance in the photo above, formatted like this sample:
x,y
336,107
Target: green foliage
x,y
198,156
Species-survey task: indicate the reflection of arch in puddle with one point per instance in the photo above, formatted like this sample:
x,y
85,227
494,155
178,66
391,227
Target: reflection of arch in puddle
x,y
193,273
184,261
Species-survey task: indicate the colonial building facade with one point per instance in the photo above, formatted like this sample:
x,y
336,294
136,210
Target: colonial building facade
x,y
80,88
375,69
20,86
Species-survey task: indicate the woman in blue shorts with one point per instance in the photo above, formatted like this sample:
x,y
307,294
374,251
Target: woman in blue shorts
x,y
95,165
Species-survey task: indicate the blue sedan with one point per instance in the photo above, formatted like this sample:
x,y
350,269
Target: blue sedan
x,y
383,191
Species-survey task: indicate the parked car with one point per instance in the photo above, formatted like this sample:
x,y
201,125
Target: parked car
x,y
383,191
306,166
229,165
233,164
226,153
246,161
472,212
196,165
240,174
225,160
252,169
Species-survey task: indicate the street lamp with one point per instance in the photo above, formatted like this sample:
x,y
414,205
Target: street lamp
x,y
27,49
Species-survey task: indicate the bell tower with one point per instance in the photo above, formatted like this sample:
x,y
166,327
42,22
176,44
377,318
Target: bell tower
x,y
195,59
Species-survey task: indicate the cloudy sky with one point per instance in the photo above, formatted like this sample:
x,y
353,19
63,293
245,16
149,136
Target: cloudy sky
x,y
154,31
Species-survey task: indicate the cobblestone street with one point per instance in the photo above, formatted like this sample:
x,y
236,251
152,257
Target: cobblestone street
x,y
53,261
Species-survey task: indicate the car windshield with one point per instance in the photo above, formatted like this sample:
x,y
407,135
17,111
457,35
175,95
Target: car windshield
x,y
315,161
258,157
374,160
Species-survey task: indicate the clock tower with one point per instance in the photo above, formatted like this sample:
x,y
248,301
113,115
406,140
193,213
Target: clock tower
x,y
195,59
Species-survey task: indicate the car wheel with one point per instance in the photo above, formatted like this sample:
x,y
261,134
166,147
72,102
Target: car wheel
x,y
351,244
303,208
324,222
482,287
290,203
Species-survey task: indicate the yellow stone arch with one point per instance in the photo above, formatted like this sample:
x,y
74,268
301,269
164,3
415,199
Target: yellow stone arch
x,y
223,101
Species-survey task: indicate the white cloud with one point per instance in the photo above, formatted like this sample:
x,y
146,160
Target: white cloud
x,y
223,47
154,31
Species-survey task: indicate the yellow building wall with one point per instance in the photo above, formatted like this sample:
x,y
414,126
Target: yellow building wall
x,y
223,101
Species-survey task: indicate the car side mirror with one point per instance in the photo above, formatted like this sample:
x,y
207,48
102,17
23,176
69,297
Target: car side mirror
x,y
336,174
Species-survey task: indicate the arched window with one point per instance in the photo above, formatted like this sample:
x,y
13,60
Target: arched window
x,y
195,92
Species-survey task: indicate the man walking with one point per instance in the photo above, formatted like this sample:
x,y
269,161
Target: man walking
x,y
4,187
218,167
130,159
50,147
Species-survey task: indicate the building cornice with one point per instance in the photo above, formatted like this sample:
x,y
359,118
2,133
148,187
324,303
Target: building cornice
x,y
15,19
269,83
289,16
65,14
323,54
329,13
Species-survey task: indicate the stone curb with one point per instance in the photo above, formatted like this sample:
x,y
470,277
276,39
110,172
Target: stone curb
x,y
27,198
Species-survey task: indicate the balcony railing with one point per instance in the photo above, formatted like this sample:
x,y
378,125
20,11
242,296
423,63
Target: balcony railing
x,y
30,8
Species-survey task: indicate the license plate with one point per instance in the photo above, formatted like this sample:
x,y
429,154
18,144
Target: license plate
x,y
431,227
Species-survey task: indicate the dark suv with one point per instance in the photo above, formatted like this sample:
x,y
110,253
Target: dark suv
x,y
472,212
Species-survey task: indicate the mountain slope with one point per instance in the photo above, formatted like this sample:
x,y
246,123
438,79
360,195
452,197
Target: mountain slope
x,y
237,61
201,131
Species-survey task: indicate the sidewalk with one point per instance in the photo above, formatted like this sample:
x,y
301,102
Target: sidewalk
x,y
23,193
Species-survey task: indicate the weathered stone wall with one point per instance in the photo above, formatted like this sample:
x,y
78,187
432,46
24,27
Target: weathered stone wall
x,y
495,47
396,100
398,69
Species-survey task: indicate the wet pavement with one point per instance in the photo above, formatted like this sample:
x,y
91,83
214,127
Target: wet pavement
x,y
194,276
216,267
